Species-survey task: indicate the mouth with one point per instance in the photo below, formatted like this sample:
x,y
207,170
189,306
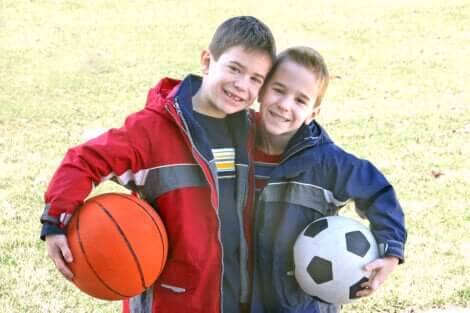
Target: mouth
x,y
233,96
278,117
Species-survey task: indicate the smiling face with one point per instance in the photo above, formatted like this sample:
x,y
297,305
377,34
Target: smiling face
x,y
287,100
232,82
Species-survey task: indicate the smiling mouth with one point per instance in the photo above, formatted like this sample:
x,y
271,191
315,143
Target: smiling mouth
x,y
278,117
233,96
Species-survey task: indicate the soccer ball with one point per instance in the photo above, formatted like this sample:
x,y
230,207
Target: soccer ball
x,y
329,256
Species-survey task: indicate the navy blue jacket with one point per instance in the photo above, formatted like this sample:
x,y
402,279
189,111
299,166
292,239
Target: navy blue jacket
x,y
314,179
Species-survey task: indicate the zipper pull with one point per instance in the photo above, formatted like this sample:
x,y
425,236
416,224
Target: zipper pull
x,y
177,106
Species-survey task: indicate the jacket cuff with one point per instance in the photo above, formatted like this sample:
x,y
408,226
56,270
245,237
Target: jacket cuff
x,y
47,218
392,248
51,229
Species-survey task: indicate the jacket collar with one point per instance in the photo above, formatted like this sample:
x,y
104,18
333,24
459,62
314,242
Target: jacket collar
x,y
238,122
298,154
307,136
311,135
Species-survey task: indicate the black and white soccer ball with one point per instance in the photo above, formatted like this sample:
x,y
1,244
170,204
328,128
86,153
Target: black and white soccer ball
x,y
329,256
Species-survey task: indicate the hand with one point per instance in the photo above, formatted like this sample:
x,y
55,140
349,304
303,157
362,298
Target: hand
x,y
380,269
59,251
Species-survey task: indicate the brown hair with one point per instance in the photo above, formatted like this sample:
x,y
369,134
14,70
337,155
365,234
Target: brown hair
x,y
245,31
311,60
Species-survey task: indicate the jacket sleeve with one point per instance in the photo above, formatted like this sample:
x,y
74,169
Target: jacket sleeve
x,y
114,154
374,198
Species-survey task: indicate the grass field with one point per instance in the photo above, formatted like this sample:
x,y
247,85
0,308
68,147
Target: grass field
x,y
399,97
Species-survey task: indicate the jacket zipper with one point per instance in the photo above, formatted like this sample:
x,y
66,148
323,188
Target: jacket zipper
x,y
303,147
282,161
185,130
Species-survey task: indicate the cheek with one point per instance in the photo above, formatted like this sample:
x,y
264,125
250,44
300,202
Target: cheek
x,y
265,102
300,115
217,75
268,98
255,91
264,108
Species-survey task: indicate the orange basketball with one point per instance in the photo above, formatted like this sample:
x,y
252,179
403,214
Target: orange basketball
x,y
119,246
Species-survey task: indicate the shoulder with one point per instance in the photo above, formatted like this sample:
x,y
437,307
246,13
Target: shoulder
x,y
332,154
330,161
148,124
327,153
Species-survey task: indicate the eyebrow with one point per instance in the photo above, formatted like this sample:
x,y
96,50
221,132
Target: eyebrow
x,y
302,95
279,84
244,67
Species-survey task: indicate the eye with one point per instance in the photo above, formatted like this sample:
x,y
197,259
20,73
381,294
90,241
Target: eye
x,y
278,90
257,80
301,101
234,69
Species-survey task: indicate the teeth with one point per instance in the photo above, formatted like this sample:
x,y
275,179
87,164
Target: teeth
x,y
231,95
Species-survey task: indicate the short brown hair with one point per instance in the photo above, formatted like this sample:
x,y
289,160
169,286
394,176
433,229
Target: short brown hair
x,y
245,31
312,61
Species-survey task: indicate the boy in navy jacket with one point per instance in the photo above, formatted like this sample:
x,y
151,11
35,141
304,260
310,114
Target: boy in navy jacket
x,y
301,175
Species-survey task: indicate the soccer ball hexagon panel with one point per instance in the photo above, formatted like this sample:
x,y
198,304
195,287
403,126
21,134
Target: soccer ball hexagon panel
x,y
329,256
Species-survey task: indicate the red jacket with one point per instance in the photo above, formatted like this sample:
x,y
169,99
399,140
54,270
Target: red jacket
x,y
155,154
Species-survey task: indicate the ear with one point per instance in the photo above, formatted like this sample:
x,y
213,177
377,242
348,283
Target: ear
x,y
206,58
313,116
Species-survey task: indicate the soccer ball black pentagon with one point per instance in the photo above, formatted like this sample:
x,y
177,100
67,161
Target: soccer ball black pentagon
x,y
329,256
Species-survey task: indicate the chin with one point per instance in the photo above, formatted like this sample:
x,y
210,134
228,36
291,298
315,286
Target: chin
x,y
274,132
229,111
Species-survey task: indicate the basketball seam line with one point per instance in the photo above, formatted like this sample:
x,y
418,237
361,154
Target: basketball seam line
x,y
89,263
154,222
121,232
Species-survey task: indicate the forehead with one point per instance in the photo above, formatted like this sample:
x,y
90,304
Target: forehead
x,y
255,61
295,77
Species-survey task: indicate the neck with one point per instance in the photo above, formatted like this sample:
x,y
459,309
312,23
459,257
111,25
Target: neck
x,y
271,144
202,105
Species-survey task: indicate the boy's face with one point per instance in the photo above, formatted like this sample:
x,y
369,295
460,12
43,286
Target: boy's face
x,y
287,101
231,83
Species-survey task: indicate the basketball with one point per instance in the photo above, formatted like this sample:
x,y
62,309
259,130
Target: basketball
x,y
119,246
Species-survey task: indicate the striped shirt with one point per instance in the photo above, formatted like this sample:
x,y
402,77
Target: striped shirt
x,y
225,162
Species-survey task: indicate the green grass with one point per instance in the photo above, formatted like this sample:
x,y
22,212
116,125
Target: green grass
x,y
400,98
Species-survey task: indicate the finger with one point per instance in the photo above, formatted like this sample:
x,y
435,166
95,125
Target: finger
x,y
55,253
373,283
368,287
365,292
365,285
65,250
376,264
63,269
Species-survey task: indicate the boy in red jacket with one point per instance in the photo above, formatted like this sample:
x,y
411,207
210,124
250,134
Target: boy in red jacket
x,y
186,154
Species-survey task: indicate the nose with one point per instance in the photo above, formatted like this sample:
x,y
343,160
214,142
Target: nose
x,y
283,104
241,83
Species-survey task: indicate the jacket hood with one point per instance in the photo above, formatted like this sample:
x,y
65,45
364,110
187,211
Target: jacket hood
x,y
311,135
164,90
